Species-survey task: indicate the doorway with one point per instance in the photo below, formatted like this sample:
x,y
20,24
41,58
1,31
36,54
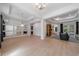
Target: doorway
x,y
49,29
31,30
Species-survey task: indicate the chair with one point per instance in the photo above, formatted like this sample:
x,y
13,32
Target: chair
x,y
64,36
77,36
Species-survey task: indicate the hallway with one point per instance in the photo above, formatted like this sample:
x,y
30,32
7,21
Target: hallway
x,y
33,46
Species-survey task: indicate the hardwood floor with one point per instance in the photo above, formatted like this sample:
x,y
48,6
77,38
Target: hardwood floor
x,y
0,52
34,46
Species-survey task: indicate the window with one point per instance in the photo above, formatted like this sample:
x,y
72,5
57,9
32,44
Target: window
x,y
65,28
71,28
55,29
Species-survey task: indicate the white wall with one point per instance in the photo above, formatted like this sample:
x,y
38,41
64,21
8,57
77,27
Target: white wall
x,y
37,29
10,30
12,26
4,8
14,30
58,30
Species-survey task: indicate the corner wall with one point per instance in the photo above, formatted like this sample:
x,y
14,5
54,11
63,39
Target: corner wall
x,y
37,29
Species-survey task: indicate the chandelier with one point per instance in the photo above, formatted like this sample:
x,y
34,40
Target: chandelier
x,y
40,6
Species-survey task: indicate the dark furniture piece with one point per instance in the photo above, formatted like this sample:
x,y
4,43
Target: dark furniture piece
x,y
77,36
64,36
77,27
2,29
77,31
32,30
61,28
1,37
0,40
25,32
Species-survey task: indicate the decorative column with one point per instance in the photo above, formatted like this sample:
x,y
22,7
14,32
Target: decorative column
x,y
58,30
29,30
43,29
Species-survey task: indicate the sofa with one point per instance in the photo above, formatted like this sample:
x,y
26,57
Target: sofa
x,y
77,36
64,36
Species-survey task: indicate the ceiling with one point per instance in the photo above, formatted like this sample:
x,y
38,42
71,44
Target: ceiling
x,y
30,7
51,7
27,11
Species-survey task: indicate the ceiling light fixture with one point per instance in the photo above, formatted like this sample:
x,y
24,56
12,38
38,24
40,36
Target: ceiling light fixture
x,y
57,18
40,6
22,25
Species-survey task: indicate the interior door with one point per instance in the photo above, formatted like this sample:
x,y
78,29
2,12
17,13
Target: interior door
x,y
49,30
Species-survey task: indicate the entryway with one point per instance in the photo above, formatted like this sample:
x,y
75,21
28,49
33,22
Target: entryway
x,y
48,30
31,30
